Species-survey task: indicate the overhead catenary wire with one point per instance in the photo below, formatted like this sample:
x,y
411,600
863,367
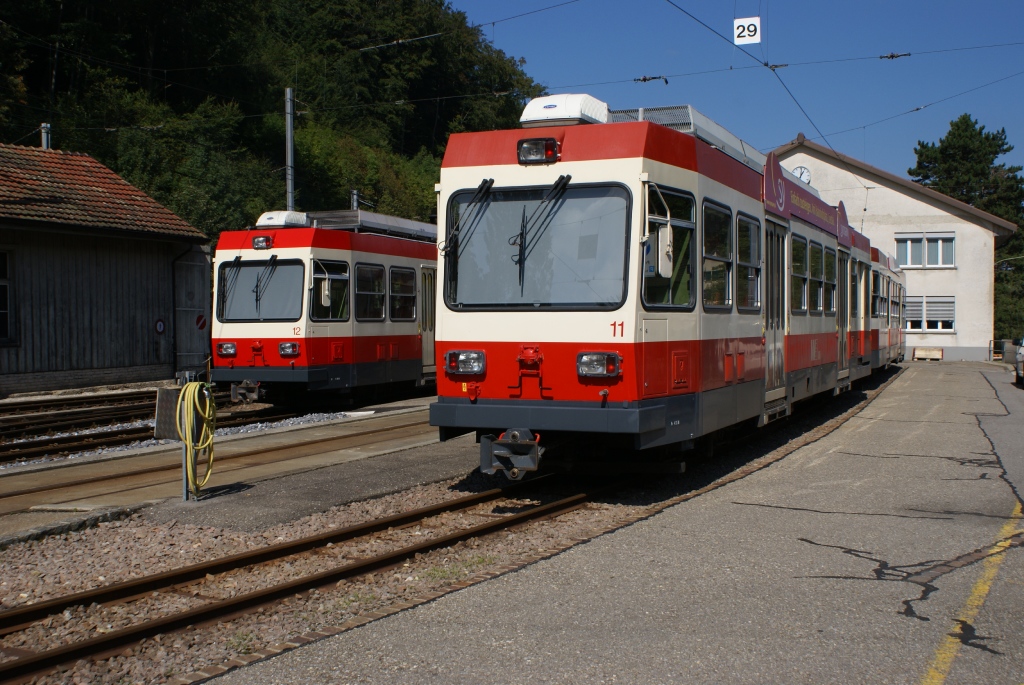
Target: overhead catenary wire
x,y
774,70
919,107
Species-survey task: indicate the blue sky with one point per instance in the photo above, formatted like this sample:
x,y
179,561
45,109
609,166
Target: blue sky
x,y
600,46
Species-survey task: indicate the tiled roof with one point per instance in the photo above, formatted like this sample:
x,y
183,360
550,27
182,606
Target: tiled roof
x,y
74,189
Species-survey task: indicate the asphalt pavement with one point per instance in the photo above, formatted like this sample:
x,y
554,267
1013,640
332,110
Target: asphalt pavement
x,y
886,552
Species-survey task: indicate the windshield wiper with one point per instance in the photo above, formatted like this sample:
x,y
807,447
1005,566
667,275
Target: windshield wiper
x,y
231,273
261,284
452,241
519,240
525,245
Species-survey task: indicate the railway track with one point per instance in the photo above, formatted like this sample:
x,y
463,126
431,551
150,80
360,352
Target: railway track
x,y
68,444
28,491
172,582
52,404
39,418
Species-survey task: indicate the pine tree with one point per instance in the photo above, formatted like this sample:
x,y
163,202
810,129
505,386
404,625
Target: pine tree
x,y
963,166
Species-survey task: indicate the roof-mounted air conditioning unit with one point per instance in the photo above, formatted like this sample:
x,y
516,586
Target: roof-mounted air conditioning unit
x,y
564,110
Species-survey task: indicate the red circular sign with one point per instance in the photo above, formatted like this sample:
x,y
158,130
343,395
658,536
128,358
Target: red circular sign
x,y
201,322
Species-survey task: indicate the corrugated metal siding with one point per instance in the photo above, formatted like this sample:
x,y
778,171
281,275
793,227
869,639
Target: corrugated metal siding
x,y
84,302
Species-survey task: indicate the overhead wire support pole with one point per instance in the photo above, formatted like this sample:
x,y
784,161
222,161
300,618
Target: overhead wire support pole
x,y
289,149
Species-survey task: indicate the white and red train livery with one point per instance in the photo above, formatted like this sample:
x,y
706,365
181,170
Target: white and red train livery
x,y
324,301
642,274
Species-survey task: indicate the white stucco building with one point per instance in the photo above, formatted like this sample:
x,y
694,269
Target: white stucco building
x,y
945,247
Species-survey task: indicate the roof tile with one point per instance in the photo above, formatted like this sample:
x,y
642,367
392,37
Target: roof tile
x,y
73,188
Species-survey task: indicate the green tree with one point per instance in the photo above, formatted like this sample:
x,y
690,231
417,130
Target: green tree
x,y
186,99
963,166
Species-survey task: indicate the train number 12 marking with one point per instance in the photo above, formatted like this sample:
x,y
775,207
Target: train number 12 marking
x,y
618,329
297,331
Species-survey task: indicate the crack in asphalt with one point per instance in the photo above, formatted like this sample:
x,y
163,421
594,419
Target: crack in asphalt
x,y
968,636
924,574
843,513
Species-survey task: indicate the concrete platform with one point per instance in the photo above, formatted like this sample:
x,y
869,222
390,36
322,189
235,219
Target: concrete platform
x,y
887,552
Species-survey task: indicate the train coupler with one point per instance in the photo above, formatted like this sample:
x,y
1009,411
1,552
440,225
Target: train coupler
x,y
515,452
246,391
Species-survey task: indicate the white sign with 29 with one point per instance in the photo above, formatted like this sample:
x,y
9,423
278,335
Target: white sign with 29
x,y
746,30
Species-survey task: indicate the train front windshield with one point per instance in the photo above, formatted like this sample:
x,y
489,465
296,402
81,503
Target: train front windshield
x,y
539,247
265,290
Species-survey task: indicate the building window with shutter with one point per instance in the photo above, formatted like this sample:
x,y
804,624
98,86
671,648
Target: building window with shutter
x,y
931,313
6,301
915,313
939,313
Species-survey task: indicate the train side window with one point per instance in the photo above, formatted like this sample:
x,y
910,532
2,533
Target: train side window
x,y
329,299
748,264
717,257
815,279
676,291
369,292
830,281
403,294
876,293
798,280
884,309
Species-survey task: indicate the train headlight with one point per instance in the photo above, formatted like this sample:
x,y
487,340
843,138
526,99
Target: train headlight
x,y
288,349
599,364
226,349
466,362
538,151
262,242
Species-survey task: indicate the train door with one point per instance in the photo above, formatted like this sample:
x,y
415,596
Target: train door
x,y
428,300
775,312
843,316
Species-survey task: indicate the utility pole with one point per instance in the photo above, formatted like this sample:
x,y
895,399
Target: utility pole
x,y
289,149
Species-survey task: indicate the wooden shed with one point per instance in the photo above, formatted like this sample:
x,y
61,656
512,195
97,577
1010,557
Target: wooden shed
x,y
99,283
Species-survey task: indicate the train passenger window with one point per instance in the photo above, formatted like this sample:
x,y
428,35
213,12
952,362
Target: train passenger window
x,y
883,299
748,263
830,281
798,281
815,277
676,291
876,294
369,292
329,299
717,257
403,294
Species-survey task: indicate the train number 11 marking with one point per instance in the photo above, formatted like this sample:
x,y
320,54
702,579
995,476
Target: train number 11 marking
x,y
618,329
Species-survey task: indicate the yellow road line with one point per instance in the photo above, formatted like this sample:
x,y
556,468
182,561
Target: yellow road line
x,y
950,647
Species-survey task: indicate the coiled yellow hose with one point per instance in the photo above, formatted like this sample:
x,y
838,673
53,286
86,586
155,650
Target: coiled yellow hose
x,y
195,400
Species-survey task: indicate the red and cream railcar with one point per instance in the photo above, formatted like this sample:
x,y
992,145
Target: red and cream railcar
x,y
888,295
324,301
652,281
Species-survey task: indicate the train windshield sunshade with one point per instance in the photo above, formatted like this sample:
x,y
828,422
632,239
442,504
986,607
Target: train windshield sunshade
x,y
554,246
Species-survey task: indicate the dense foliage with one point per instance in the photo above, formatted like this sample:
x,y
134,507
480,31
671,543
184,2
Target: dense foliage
x,y
186,99
963,166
